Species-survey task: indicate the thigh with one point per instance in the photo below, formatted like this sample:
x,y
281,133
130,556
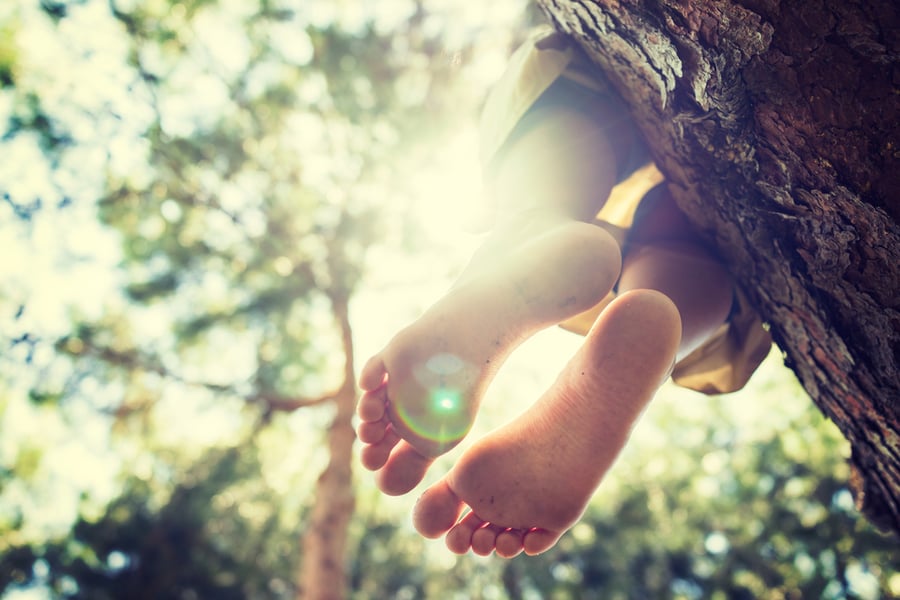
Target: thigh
x,y
566,153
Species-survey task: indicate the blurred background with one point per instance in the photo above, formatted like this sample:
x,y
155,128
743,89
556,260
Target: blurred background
x,y
212,212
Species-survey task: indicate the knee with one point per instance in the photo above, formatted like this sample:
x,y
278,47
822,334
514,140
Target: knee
x,y
695,281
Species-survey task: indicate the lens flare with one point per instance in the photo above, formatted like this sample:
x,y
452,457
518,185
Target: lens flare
x,y
441,418
440,412
445,401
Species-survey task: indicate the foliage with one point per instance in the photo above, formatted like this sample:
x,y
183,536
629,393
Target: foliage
x,y
216,535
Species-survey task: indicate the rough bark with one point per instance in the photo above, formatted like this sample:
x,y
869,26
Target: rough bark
x,y
323,573
777,124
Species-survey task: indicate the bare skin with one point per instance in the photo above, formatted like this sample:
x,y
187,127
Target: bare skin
x,y
435,371
529,481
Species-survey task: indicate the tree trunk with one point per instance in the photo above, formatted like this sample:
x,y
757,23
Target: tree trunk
x,y
323,573
777,124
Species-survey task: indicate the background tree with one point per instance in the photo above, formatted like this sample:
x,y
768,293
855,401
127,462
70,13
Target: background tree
x,y
776,124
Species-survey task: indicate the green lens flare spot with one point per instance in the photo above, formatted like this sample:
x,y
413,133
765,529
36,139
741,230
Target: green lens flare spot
x,y
446,401
441,417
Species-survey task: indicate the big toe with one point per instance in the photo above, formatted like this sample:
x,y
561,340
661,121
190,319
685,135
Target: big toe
x,y
373,373
437,510
403,471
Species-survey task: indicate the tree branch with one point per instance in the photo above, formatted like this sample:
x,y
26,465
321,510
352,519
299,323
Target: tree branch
x,y
132,360
278,403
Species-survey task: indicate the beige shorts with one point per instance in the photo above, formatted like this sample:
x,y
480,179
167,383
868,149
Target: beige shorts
x,y
547,59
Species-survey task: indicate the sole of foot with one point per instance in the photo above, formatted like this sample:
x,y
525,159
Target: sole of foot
x,y
525,484
423,390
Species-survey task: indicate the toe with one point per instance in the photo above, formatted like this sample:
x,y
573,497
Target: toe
x,y
371,406
437,510
459,539
371,433
538,541
374,456
403,471
372,374
484,539
509,543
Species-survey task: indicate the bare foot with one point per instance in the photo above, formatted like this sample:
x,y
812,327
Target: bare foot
x,y
423,390
528,482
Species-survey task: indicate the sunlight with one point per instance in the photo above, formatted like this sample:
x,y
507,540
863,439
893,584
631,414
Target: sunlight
x,y
223,38
64,467
24,170
452,202
292,43
43,260
184,110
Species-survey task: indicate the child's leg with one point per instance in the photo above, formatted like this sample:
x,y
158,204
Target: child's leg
x,y
529,481
541,266
663,253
